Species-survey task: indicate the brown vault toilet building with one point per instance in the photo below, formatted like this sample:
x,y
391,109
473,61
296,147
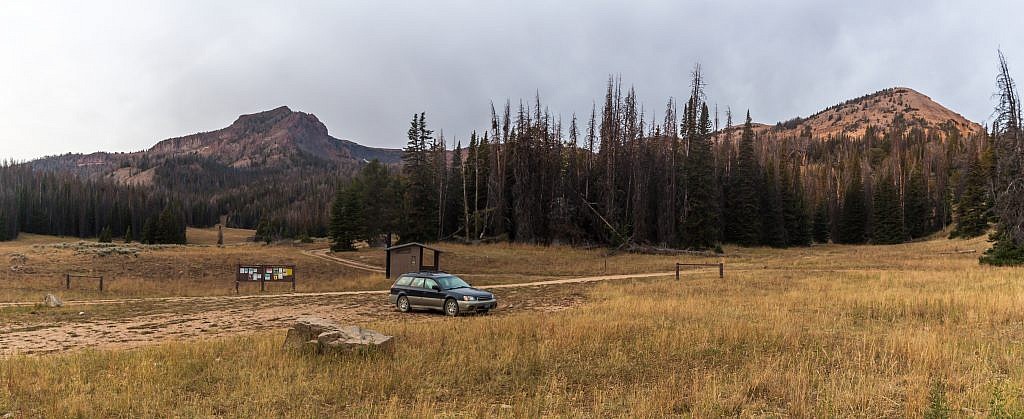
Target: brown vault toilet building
x,y
411,257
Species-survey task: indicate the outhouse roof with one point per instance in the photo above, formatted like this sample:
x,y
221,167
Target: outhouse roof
x,y
413,244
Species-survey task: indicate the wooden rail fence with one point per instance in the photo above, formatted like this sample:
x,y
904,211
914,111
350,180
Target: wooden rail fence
x,y
67,279
719,265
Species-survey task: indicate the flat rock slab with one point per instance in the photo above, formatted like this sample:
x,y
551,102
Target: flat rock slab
x,y
324,336
52,301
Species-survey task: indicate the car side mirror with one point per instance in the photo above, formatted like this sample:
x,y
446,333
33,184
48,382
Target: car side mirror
x,y
435,288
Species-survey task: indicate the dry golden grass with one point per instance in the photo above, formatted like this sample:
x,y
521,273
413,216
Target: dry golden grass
x,y
208,270
829,331
514,263
209,235
34,265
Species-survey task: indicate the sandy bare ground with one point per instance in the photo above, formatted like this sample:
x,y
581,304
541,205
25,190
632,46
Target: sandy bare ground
x,y
125,323
140,322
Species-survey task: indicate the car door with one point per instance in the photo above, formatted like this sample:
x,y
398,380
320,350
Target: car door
x,y
432,294
415,292
401,285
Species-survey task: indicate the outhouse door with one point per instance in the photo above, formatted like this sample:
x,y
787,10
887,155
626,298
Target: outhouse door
x,y
414,263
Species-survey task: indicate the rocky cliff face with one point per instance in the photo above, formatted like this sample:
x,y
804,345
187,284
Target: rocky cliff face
x,y
269,138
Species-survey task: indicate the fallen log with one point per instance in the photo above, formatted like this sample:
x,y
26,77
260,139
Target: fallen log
x,y
959,252
652,250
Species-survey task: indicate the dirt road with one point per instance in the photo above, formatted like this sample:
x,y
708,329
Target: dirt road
x,y
326,255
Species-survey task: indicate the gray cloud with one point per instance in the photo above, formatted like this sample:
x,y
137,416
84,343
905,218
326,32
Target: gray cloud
x,y
121,75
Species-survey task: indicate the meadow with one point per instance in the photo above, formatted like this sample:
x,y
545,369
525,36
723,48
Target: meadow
x,y
35,265
826,331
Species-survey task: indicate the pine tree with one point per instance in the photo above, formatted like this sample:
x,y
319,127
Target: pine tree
x,y
487,155
420,190
471,186
481,181
149,230
105,235
888,216
381,196
744,222
454,198
703,211
1008,142
128,238
853,221
972,208
438,177
346,219
987,161
4,231
170,226
263,232
917,213
164,228
822,228
773,221
798,225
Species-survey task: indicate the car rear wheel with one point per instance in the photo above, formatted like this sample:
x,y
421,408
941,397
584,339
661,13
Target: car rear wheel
x,y
403,304
451,307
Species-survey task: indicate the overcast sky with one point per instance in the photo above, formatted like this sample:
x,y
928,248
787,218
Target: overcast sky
x,y
120,76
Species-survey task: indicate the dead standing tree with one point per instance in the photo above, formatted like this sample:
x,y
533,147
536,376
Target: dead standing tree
x,y
1008,137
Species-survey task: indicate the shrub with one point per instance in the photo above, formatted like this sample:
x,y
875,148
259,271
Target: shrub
x,y
1004,253
938,408
106,236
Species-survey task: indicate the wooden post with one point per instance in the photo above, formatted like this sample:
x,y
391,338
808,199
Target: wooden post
x,y
677,272
721,269
236,285
101,284
67,280
220,229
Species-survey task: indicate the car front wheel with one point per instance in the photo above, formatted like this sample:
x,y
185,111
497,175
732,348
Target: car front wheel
x,y
451,307
403,304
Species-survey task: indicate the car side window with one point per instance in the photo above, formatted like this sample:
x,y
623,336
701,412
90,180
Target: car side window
x,y
418,282
404,281
429,284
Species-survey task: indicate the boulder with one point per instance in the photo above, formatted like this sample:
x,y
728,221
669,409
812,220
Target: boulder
x,y
324,336
52,301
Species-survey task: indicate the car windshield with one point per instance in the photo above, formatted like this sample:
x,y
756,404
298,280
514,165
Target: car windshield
x,y
451,282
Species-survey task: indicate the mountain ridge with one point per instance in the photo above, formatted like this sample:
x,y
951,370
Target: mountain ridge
x,y
279,170
281,136
882,109
268,139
